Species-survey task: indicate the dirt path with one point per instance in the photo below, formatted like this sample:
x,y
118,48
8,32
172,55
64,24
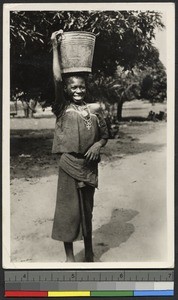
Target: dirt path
x,y
130,208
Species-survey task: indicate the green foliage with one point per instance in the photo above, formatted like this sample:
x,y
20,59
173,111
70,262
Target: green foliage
x,y
123,38
139,83
153,82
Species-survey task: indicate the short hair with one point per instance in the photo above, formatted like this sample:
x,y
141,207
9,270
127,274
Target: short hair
x,y
68,76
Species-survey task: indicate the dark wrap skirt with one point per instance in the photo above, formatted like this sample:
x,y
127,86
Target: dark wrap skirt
x,y
67,217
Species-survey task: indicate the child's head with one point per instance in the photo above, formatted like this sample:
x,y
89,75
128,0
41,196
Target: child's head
x,y
75,87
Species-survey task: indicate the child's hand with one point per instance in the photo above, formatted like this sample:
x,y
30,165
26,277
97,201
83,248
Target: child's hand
x,y
56,37
93,152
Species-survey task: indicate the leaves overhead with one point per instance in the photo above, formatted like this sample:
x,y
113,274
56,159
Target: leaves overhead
x,y
123,38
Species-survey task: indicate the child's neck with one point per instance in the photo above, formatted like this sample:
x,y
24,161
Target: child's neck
x,y
78,103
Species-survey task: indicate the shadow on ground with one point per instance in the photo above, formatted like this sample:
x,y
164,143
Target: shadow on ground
x,y
134,119
112,234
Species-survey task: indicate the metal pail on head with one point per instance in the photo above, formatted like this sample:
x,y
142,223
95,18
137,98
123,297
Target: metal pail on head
x,y
76,51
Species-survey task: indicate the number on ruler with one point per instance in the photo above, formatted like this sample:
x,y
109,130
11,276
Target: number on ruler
x,y
121,275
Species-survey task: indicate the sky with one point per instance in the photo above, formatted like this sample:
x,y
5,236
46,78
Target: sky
x,y
160,41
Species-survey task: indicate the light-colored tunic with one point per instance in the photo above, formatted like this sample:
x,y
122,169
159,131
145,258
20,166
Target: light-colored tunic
x,y
72,135
75,136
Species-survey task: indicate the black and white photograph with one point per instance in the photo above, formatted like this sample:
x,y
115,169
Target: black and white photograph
x,y
88,135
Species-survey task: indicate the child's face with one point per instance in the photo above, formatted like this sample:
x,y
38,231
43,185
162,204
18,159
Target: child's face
x,y
76,89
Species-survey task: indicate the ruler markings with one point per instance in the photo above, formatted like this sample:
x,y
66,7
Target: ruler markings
x,y
161,276
19,276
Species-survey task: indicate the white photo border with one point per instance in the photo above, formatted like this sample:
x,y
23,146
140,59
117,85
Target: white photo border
x,y
169,9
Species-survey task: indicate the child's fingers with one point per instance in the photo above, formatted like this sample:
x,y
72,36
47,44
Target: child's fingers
x,y
87,155
60,31
57,33
96,156
92,156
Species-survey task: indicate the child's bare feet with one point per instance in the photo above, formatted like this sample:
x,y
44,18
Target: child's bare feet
x,y
69,252
70,259
89,258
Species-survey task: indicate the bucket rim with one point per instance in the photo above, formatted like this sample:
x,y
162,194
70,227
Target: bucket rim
x,y
78,31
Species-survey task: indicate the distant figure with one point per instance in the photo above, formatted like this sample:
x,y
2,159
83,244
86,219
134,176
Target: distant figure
x,y
25,108
32,105
152,116
29,108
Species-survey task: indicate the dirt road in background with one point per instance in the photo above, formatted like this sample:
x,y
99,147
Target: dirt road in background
x,y
129,220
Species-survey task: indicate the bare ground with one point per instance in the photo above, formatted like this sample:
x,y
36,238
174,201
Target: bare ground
x,y
129,221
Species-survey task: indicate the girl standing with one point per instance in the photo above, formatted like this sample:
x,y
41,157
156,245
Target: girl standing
x,y
80,132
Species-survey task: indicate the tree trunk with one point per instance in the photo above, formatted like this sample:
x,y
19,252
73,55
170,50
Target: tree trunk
x,y
119,110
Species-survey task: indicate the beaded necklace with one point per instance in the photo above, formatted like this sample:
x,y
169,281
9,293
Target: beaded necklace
x,y
84,114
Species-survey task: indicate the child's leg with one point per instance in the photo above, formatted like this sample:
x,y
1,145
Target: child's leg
x,y
69,252
88,195
88,247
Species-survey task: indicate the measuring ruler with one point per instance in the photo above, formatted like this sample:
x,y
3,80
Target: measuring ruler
x,y
89,283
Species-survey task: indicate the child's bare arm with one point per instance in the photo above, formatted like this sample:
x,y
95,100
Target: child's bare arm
x,y
56,39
